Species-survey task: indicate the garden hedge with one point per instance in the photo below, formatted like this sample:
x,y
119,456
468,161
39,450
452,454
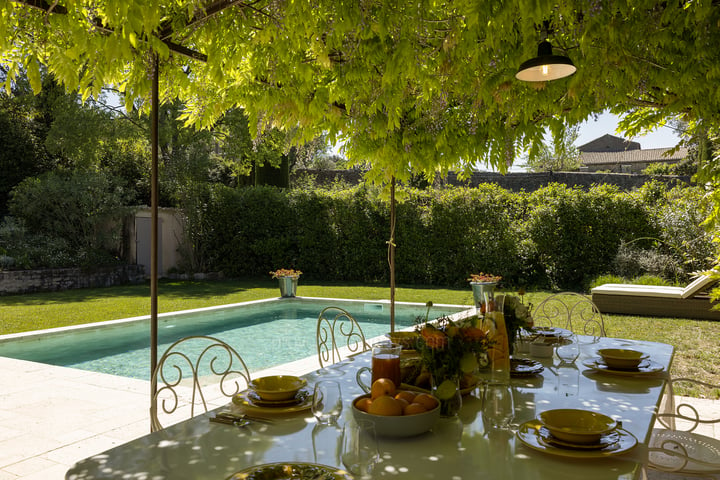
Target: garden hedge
x,y
557,237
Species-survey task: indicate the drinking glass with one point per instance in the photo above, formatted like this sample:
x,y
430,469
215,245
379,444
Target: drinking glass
x,y
568,378
568,350
327,444
498,406
360,448
327,401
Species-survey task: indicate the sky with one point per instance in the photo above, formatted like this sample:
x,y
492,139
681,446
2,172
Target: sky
x,y
606,124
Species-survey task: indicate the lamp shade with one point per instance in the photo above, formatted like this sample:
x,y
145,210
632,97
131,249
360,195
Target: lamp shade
x,y
545,66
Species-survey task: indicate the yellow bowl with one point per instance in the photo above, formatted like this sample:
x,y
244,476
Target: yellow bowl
x,y
621,358
400,425
277,387
577,426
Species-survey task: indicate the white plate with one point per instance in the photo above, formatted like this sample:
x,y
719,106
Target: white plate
x,y
646,367
529,434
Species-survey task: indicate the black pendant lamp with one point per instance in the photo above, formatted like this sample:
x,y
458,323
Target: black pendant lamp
x,y
545,66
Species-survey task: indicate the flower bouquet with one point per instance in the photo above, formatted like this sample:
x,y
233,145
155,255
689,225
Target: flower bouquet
x,y
451,351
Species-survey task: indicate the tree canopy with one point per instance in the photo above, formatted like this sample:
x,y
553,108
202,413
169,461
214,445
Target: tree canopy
x,y
409,86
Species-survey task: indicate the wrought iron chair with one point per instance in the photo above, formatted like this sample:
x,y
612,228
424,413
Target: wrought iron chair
x,y
680,448
570,310
333,324
190,365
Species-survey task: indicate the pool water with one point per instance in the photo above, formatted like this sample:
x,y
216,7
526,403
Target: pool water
x,y
264,333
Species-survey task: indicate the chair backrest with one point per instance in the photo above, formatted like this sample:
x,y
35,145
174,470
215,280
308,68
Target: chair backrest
x,y
336,330
687,445
195,371
571,311
677,414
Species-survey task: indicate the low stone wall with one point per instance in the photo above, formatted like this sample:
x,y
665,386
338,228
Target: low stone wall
x,y
517,181
56,279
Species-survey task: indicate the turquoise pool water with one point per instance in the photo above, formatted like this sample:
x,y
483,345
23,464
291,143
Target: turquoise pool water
x,y
265,334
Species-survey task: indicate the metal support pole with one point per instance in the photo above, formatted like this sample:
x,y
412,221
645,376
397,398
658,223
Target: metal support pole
x,y
154,125
391,254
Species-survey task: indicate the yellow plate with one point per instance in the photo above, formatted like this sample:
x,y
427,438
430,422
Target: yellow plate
x,y
529,434
646,367
243,400
291,471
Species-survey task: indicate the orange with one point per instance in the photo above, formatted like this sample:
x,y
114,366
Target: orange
x,y
385,405
414,408
405,395
403,403
426,400
363,404
382,386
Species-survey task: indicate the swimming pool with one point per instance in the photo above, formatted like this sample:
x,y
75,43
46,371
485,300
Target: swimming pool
x,y
266,333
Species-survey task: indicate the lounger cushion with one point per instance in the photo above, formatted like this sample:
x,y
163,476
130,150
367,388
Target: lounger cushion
x,y
639,290
698,285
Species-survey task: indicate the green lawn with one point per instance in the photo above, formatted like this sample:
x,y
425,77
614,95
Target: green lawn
x,y
696,341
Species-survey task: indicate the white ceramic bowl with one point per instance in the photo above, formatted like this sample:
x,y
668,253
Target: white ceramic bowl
x,y
398,426
621,358
541,348
277,387
577,426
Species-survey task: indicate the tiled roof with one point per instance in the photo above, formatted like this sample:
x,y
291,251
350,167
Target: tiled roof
x,y
609,143
632,156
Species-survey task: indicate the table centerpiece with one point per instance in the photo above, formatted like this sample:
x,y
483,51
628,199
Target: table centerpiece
x,y
449,350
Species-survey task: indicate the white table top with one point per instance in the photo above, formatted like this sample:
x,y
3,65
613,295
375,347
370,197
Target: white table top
x,y
457,447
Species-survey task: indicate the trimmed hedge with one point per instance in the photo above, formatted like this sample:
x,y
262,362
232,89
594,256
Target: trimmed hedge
x,y
556,237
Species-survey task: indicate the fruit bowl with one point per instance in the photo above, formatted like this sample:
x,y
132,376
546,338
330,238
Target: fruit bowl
x,y
399,425
407,340
621,358
577,426
277,387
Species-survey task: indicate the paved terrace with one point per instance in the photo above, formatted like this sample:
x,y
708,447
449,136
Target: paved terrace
x,y
52,417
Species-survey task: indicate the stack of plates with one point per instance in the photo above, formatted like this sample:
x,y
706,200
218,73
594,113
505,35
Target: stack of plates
x,y
575,433
620,361
250,400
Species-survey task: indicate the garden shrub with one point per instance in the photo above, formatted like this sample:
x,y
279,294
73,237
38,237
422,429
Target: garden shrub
x,y
577,233
557,236
69,218
679,226
472,231
603,279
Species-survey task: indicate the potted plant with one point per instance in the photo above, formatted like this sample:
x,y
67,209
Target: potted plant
x,y
288,279
483,287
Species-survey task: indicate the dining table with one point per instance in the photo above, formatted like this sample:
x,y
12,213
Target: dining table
x,y
456,447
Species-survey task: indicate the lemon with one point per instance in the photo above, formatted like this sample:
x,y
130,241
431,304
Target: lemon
x,y
468,363
445,390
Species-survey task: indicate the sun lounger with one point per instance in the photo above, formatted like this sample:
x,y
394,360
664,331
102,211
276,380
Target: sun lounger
x,y
692,301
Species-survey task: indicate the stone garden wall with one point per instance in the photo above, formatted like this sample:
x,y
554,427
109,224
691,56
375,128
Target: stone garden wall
x,y
50,280
516,181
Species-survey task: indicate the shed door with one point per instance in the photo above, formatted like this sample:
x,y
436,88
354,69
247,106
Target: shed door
x,y
142,243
